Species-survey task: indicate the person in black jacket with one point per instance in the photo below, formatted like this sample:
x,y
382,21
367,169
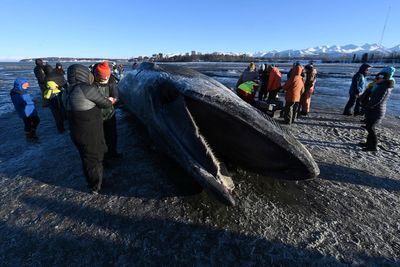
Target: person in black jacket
x,y
264,75
55,85
83,102
40,77
59,68
376,108
107,86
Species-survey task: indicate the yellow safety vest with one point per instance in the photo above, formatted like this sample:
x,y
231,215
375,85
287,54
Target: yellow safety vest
x,y
52,88
247,87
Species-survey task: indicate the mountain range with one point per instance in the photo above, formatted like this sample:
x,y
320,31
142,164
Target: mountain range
x,y
331,51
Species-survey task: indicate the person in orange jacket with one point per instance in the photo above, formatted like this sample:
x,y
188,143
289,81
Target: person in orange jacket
x,y
274,82
309,85
293,87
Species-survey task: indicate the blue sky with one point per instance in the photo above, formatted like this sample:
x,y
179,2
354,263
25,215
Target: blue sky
x,y
122,28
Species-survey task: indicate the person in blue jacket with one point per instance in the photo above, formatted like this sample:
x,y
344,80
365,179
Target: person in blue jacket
x,y
25,107
357,87
376,108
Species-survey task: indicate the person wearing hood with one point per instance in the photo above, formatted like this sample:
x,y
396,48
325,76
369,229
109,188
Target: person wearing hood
x,y
274,82
59,69
293,88
25,107
357,87
84,102
55,85
40,77
107,86
376,107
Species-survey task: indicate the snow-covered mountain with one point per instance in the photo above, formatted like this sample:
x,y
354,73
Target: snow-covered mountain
x,y
331,51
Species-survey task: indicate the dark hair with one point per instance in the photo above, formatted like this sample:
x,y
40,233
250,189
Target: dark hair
x,y
59,68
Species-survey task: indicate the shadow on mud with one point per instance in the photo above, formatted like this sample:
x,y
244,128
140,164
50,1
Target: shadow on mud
x,y
357,177
88,236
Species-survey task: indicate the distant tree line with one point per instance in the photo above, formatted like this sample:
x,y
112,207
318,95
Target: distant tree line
x,y
220,57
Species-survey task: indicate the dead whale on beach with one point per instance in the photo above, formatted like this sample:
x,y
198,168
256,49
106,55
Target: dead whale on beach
x,y
200,123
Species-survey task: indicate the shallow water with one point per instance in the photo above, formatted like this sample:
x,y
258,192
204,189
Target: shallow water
x,y
332,85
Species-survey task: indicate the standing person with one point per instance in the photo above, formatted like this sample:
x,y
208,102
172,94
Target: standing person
x,y
274,82
356,89
25,107
293,88
40,77
108,88
55,85
59,69
115,72
309,85
83,103
121,71
264,75
376,108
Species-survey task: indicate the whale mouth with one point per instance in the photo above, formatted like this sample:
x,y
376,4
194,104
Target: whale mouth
x,y
191,149
201,135
244,145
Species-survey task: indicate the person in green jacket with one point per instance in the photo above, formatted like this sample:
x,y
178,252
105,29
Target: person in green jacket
x,y
108,88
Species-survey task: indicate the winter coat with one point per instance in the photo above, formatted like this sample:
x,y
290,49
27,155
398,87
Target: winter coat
x,y
248,75
22,100
54,77
358,81
40,75
357,84
57,77
294,85
84,101
310,79
375,110
107,90
376,107
274,81
81,95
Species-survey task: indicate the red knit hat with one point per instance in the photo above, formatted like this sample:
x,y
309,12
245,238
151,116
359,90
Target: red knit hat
x,y
103,70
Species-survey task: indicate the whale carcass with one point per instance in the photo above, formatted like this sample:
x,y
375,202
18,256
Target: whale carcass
x,y
201,124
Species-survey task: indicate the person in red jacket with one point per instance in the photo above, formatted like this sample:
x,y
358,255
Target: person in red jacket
x,y
293,87
274,82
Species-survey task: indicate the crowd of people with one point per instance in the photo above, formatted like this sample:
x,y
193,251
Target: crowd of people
x,y
368,100
87,98
266,83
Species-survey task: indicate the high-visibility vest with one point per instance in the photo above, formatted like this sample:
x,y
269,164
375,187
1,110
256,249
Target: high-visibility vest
x,y
247,87
51,88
